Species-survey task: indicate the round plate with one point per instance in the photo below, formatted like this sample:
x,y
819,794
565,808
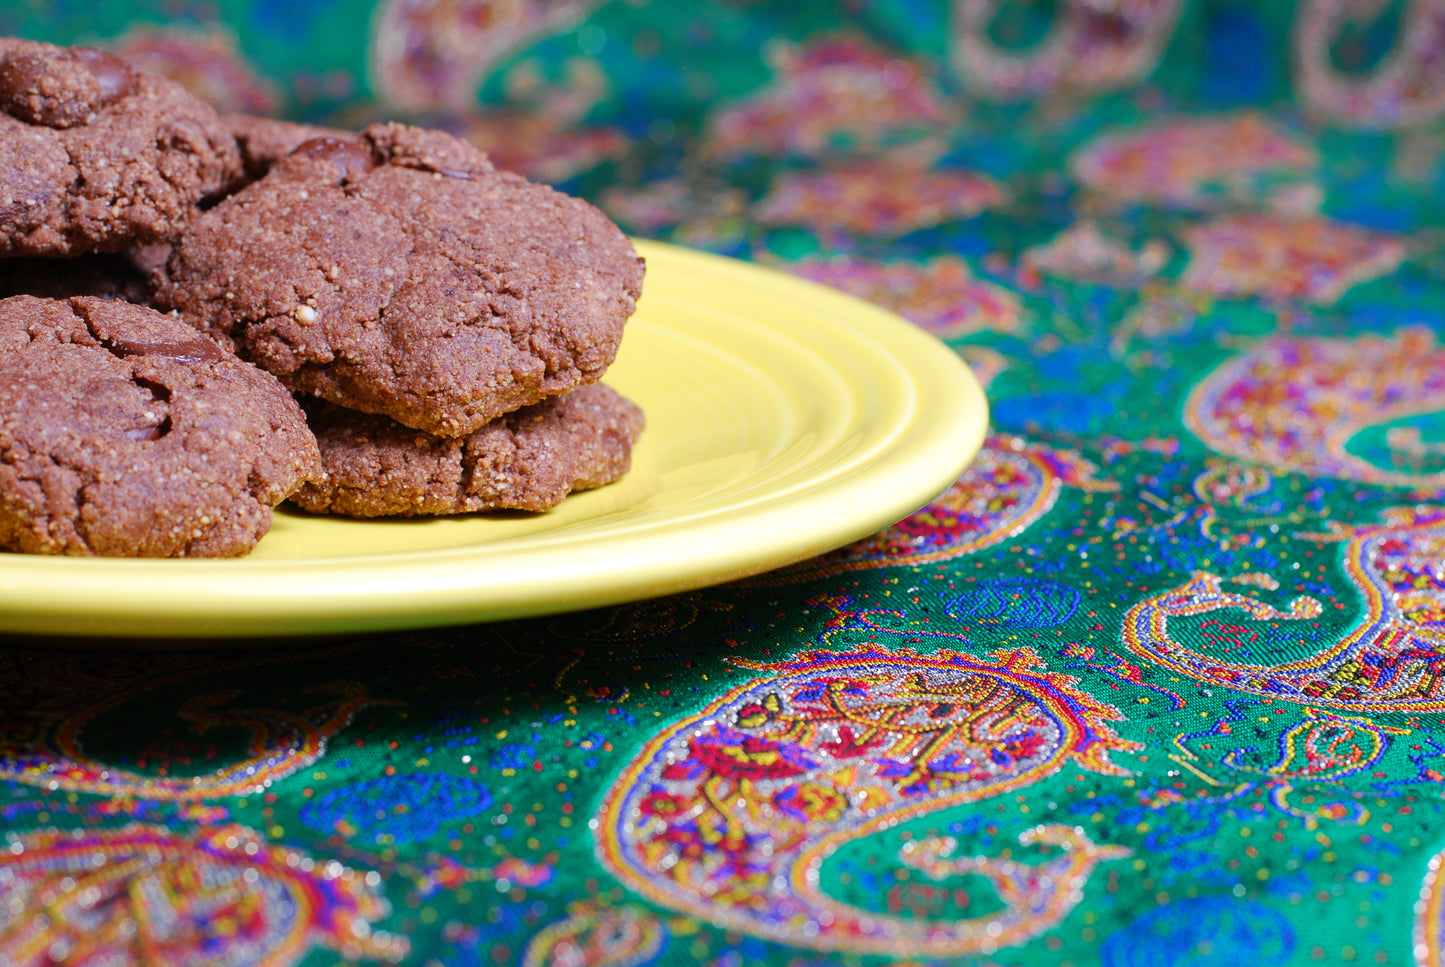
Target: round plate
x,y
784,420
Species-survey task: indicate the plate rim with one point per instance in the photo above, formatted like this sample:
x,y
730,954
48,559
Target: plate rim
x,y
435,587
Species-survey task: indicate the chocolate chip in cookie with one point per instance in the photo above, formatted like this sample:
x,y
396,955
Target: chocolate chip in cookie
x,y
96,156
126,433
397,272
264,141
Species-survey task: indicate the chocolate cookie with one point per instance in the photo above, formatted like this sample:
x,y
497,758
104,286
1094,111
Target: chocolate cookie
x,y
264,141
397,272
527,460
97,156
126,433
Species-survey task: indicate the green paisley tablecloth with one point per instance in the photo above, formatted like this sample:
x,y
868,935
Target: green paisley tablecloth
x,y
1159,681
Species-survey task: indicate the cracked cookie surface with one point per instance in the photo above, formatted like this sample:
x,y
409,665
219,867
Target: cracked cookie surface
x,y
397,272
264,141
125,433
96,156
527,460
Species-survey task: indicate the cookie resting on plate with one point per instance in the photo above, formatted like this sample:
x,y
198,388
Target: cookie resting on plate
x,y
397,272
527,460
98,156
125,433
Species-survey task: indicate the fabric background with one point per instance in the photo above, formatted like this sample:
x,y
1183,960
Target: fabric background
x,y
1159,681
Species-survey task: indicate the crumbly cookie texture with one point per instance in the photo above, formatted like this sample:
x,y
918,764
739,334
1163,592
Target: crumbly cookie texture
x,y
126,433
527,460
97,156
397,272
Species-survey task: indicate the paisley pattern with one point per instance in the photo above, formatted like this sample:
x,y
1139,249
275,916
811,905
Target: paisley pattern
x,y
1320,765
143,895
398,808
542,133
206,62
1388,661
1285,257
280,742
1299,404
1016,602
839,92
669,202
1009,486
943,296
1405,88
1082,251
1180,163
593,936
1203,930
540,147
1092,46
882,198
432,55
1325,748
728,814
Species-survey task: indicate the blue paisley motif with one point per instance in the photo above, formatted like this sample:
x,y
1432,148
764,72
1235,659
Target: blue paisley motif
x,y
407,807
1202,932
1017,603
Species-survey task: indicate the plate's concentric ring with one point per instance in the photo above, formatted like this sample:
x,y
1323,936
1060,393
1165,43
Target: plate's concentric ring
x,y
784,419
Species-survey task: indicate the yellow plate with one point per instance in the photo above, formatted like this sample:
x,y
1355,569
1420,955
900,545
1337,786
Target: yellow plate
x,y
784,420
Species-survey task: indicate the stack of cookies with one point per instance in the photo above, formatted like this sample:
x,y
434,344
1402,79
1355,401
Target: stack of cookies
x,y
175,277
